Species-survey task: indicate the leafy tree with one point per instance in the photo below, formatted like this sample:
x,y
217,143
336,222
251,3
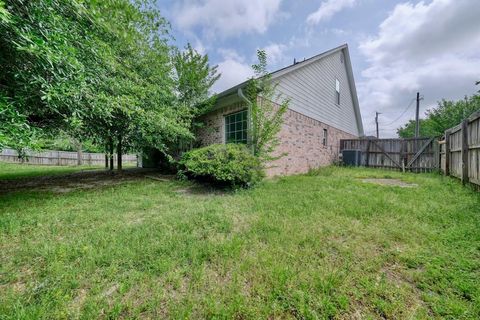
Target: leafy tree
x,y
97,70
42,71
14,129
446,115
195,77
267,110
427,129
139,87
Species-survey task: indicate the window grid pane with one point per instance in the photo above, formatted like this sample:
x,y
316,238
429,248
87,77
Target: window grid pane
x,y
236,127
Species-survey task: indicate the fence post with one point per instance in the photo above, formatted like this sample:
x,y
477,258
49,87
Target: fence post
x,y
402,153
465,151
437,154
447,152
367,155
79,156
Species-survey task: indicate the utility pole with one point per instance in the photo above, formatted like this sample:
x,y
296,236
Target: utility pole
x,y
417,115
376,122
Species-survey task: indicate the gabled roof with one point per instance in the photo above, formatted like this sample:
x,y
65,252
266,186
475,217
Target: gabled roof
x,y
278,73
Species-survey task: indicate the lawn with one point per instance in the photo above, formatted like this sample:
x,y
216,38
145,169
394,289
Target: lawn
x,y
17,171
323,245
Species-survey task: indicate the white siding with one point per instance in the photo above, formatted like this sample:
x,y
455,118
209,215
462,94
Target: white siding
x,y
311,89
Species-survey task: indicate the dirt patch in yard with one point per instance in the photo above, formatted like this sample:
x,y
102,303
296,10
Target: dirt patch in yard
x,y
391,182
81,180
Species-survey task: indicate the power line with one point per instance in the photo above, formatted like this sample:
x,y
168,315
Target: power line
x,y
401,115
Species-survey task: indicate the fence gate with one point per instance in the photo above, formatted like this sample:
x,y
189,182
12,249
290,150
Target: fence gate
x,y
415,155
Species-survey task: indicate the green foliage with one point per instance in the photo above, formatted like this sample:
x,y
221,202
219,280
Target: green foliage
x,y
102,71
4,14
63,142
446,115
14,129
230,164
427,129
43,70
195,77
267,111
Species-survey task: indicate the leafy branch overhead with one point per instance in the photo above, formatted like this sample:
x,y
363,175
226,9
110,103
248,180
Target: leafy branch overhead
x,y
98,70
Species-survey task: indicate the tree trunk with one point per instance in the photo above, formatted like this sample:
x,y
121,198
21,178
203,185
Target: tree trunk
x,y
111,153
119,153
106,160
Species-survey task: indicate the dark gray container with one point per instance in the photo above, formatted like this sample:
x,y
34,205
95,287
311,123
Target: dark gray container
x,y
352,158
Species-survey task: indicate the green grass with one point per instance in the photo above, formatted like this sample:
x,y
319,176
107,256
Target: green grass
x,y
324,245
17,171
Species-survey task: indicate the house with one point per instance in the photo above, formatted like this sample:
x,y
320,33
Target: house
x,y
323,109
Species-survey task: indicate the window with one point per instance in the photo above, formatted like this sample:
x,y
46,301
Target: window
x,y
337,91
236,127
325,137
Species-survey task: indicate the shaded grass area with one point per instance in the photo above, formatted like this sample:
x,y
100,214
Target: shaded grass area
x,y
323,245
10,171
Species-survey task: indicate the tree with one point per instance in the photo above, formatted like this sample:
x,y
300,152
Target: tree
x,y
45,48
426,129
14,130
97,70
446,115
267,110
138,90
195,77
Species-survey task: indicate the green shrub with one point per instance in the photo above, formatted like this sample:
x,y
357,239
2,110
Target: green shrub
x,y
223,164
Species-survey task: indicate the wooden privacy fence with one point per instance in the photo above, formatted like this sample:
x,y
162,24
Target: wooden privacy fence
x,y
415,155
460,151
61,158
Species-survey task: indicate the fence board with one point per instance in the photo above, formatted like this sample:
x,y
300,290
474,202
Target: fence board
x,y
417,155
61,158
460,152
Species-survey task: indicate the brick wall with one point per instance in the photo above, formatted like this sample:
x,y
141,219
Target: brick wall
x,y
300,139
214,125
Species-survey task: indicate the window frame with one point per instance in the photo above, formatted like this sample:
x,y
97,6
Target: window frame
x,y
337,91
325,137
227,125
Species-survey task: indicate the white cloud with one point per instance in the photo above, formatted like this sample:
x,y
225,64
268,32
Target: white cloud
x,y
234,70
199,47
328,9
275,54
432,48
227,17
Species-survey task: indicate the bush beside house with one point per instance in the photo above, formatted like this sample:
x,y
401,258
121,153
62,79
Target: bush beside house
x,y
223,164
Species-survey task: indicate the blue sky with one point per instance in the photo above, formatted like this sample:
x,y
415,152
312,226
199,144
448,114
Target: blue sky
x,y
397,47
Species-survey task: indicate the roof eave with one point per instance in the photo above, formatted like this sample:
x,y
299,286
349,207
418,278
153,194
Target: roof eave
x,y
233,91
353,91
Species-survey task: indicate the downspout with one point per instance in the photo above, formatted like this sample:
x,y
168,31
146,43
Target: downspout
x,y
249,119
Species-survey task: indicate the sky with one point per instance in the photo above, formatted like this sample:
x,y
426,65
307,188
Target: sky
x,y
397,47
